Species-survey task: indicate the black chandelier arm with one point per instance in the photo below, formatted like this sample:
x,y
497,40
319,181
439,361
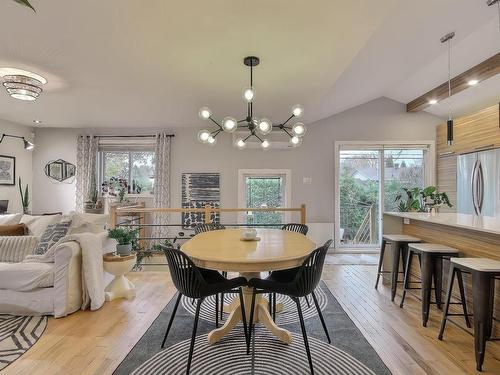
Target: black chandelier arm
x,y
256,136
216,123
288,119
215,133
287,132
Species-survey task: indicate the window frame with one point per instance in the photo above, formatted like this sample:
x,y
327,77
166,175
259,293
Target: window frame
x,y
101,162
286,174
429,178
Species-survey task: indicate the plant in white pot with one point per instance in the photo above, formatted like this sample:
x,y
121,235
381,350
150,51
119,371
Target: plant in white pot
x,y
125,238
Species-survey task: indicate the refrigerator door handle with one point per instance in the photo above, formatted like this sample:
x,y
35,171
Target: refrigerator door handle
x,y
480,190
474,188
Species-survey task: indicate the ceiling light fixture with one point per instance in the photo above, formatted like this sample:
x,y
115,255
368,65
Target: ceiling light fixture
x,y
37,122
256,127
22,84
473,82
27,144
449,124
433,101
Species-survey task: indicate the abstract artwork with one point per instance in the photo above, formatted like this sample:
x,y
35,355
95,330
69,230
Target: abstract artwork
x,y
7,170
199,189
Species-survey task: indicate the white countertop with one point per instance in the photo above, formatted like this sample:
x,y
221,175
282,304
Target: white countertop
x,y
486,224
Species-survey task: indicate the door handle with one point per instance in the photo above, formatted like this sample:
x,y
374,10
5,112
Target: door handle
x,y
480,190
474,188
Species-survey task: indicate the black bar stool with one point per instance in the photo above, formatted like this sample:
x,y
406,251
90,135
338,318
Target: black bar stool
x,y
399,244
484,271
431,256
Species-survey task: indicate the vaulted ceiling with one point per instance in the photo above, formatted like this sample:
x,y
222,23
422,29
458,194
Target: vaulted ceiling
x,y
128,63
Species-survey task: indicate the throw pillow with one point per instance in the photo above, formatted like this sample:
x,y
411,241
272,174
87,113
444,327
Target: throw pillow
x,y
51,236
13,230
10,219
37,224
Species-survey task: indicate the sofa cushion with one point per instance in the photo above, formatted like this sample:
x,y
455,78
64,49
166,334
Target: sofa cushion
x,y
88,223
23,277
13,230
37,224
51,236
10,219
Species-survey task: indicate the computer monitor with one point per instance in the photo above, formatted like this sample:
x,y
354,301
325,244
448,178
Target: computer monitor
x,y
3,206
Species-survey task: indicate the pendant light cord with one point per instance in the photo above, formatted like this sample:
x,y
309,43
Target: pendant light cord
x,y
449,79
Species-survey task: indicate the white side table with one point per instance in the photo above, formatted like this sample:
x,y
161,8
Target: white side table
x,y
120,286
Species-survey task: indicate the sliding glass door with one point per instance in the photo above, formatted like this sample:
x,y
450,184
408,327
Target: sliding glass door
x,y
368,179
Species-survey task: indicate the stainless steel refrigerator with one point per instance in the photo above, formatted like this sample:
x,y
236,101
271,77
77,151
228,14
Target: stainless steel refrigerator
x,y
478,183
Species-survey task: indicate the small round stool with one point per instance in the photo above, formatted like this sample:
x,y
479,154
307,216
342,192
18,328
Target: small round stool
x,y
120,286
399,246
431,256
484,271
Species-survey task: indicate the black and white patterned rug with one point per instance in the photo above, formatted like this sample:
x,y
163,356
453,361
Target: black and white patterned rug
x,y
349,352
17,335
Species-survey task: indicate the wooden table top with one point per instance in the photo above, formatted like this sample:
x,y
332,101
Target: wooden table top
x,y
225,251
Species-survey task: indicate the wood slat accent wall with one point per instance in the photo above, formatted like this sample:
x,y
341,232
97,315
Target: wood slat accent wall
x,y
469,242
471,133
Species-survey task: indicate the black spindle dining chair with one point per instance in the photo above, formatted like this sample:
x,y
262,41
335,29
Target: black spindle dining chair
x,y
291,227
300,283
208,227
198,283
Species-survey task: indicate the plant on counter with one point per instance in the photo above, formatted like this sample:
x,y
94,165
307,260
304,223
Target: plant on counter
x,y
126,238
25,201
422,200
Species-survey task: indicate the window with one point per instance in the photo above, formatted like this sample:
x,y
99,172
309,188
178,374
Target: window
x,y
264,189
136,167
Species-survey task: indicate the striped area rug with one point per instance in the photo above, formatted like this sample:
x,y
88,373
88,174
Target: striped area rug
x,y
17,335
348,354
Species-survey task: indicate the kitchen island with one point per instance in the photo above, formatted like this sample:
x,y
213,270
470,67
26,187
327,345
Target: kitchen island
x,y
473,236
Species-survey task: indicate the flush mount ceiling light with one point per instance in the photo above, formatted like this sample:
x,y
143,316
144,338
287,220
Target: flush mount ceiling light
x,y
433,101
22,84
257,128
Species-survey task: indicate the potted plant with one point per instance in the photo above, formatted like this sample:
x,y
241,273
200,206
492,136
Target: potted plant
x,y
25,201
433,199
125,238
428,199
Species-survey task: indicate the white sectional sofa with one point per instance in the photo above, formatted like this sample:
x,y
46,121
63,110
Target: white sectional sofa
x,y
43,288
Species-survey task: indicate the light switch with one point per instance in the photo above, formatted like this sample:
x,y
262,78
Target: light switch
x,y
406,220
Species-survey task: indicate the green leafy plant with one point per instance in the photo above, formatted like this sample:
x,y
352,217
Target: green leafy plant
x,y
25,200
124,236
26,3
422,200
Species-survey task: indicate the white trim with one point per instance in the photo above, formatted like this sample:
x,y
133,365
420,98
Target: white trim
x,y
263,172
430,175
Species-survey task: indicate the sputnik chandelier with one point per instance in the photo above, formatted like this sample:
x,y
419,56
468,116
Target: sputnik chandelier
x,y
258,128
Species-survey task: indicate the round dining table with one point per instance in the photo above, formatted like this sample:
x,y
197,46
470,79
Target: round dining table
x,y
225,250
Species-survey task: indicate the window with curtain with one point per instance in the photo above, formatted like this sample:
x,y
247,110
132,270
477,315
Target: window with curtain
x,y
130,160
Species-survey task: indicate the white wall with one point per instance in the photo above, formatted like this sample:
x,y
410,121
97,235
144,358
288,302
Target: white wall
x,y
381,119
15,147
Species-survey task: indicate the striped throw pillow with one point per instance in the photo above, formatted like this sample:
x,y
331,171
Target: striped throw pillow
x,y
52,234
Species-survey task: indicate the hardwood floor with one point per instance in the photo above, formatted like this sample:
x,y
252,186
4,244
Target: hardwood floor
x,y
96,342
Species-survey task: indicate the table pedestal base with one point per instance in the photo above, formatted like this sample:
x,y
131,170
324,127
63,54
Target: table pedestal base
x,y
261,314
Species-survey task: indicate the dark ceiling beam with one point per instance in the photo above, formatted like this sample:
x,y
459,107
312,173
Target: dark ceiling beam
x,y
487,69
